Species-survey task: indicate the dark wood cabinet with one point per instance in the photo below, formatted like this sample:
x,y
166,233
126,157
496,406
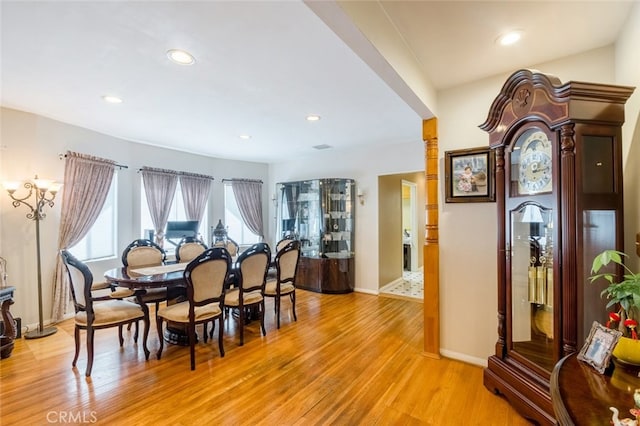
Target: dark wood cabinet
x,y
9,330
326,275
558,177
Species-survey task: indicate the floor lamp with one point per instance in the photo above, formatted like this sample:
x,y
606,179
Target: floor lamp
x,y
44,191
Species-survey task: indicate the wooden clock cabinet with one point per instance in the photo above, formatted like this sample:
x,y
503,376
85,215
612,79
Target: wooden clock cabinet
x,y
558,155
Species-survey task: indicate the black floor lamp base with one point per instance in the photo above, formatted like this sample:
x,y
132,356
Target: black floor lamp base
x,y
36,334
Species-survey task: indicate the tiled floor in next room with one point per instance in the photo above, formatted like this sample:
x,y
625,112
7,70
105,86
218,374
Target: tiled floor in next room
x,y
410,286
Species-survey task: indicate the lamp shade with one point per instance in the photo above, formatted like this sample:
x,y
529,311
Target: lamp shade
x,y
11,186
42,184
55,187
532,214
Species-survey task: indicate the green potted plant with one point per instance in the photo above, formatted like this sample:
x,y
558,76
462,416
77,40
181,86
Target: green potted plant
x,y
624,298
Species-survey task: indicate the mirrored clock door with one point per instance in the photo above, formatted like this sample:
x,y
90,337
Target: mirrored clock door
x,y
532,283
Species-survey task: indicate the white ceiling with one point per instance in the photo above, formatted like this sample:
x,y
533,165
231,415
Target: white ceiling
x,y
262,66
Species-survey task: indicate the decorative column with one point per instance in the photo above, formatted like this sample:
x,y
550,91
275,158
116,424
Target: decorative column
x,y
431,243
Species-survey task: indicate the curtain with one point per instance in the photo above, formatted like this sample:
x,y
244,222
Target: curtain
x,y
248,194
87,181
159,187
195,194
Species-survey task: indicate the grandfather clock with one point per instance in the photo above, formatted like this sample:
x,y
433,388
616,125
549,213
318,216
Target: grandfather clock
x,y
559,198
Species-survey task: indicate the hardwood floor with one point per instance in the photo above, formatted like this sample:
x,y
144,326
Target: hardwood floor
x,y
349,359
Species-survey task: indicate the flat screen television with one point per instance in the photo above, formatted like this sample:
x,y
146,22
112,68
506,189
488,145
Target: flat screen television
x,y
184,228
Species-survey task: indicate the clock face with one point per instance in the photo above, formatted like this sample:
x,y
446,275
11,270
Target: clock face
x,y
535,173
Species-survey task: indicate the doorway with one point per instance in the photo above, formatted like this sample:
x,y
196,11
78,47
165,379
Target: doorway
x,y
400,230
409,226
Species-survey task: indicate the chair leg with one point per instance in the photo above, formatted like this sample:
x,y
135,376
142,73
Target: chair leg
x,y
90,333
192,345
293,304
120,337
277,307
241,314
145,332
220,342
264,331
160,336
76,336
135,335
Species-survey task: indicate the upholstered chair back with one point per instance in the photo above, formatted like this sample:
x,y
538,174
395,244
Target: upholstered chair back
x,y
143,253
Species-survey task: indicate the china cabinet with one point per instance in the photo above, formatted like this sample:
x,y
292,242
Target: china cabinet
x,y
320,213
558,171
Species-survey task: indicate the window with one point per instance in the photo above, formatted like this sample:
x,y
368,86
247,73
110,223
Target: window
x,y
177,212
100,241
236,228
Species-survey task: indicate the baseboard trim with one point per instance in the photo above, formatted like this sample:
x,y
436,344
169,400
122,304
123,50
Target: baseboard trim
x,y
482,362
366,290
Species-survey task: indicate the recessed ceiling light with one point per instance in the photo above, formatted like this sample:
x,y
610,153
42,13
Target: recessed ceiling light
x,y
112,99
181,57
509,38
245,136
313,117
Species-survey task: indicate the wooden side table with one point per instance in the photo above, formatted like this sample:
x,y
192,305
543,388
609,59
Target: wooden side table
x,y
9,335
582,396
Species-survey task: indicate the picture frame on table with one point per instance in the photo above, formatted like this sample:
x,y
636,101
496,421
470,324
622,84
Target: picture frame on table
x,y
598,347
470,175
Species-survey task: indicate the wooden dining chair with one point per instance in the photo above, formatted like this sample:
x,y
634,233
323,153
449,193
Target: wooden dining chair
x,y
204,277
251,275
144,253
189,248
283,242
92,316
232,247
284,284
271,275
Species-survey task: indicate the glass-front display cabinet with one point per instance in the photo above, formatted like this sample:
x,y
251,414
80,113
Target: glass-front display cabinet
x,y
320,213
558,181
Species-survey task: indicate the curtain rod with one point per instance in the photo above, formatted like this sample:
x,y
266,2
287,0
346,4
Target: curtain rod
x,y
120,166
176,172
242,180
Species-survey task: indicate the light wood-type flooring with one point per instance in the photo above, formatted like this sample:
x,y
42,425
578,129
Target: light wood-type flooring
x,y
353,359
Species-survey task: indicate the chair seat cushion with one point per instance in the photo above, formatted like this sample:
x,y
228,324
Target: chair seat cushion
x,y
231,297
179,312
285,288
111,312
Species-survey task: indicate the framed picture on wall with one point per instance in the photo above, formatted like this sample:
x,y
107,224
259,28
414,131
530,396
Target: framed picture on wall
x,y
469,175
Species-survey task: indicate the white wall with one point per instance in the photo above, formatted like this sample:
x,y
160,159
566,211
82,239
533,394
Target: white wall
x,y
364,165
627,66
31,144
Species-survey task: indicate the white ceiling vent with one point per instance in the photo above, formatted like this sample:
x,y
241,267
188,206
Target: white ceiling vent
x,y
323,146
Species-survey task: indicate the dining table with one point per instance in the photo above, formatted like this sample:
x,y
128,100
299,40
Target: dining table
x,y
140,279
169,275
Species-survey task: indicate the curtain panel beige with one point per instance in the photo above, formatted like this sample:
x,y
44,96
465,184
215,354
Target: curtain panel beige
x,y
87,180
248,195
195,194
159,187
